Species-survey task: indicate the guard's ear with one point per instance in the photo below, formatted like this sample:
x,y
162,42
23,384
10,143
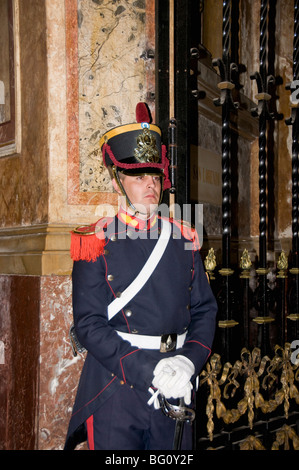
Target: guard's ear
x,y
115,186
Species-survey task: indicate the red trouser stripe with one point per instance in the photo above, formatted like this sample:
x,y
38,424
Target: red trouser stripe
x,y
90,436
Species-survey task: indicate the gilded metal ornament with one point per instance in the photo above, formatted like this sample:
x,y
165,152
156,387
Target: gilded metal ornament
x,y
245,265
282,265
252,443
248,377
282,262
245,262
146,150
210,262
283,436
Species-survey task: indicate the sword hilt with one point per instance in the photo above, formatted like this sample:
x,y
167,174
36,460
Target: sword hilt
x,y
177,412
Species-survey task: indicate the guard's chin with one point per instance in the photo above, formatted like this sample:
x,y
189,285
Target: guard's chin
x,y
146,209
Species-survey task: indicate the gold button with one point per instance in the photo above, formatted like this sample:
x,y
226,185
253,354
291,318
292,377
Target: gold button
x,y
118,294
134,332
110,277
122,382
113,238
106,252
128,313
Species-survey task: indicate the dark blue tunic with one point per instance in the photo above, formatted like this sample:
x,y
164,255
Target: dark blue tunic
x,y
177,298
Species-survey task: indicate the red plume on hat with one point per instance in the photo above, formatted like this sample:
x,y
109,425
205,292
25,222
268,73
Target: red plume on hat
x,y
143,113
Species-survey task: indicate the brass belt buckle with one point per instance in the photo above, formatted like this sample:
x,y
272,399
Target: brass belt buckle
x,y
168,343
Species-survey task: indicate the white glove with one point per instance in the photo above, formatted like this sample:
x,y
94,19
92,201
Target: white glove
x,y
172,377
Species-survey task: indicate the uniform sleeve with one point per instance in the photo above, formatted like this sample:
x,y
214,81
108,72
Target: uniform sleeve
x,y
203,310
90,299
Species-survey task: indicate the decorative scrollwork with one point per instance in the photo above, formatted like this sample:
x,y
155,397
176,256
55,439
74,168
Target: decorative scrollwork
x,y
251,443
283,436
277,375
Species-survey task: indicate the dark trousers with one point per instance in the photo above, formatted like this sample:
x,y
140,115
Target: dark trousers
x,y
127,422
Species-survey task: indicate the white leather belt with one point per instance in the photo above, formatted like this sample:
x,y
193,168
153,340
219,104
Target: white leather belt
x,y
164,343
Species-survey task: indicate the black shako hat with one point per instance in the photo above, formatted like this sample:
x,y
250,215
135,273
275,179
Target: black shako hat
x,y
136,148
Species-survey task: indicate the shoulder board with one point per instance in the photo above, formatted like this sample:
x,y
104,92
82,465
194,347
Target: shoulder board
x,y
88,241
188,231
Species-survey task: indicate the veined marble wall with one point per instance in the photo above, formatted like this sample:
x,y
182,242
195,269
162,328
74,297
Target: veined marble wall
x,y
108,71
112,77
59,369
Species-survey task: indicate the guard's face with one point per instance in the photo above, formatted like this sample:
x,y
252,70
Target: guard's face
x,y
143,191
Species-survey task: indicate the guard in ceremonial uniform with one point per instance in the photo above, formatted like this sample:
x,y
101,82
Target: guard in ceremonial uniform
x,y
143,307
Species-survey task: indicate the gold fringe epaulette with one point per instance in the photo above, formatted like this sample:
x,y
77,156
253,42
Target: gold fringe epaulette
x,y
88,241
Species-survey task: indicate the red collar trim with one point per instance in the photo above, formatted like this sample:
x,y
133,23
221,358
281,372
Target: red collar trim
x,y
135,222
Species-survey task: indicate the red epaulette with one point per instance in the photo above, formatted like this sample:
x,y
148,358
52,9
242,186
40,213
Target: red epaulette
x,y
188,232
88,241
